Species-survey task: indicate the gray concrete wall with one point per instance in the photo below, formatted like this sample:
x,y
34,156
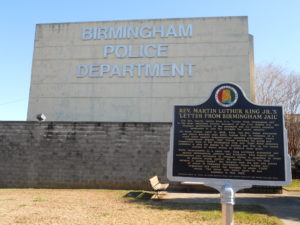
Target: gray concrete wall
x,y
82,155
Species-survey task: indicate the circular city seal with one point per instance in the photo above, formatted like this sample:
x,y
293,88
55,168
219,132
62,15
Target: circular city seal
x,y
226,96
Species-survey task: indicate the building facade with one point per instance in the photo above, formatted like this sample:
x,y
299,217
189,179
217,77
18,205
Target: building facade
x,y
136,70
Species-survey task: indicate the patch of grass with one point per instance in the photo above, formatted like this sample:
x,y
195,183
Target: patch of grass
x,y
7,199
210,213
254,214
39,199
105,214
117,207
294,186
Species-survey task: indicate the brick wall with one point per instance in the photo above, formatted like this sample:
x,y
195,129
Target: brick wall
x,y
82,154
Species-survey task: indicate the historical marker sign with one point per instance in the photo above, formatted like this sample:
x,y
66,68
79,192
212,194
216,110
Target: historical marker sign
x,y
228,139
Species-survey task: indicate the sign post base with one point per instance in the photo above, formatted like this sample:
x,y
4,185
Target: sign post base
x,y
227,214
227,195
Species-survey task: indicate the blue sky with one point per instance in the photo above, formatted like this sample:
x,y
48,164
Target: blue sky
x,y
275,25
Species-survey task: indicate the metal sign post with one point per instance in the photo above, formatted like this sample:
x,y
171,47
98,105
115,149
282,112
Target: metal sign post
x,y
227,196
227,201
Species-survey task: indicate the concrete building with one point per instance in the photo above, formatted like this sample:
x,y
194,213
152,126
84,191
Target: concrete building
x,y
108,89
136,70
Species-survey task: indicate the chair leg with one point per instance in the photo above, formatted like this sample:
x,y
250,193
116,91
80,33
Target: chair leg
x,y
156,196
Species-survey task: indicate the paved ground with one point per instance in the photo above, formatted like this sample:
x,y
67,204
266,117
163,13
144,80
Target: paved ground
x,y
285,206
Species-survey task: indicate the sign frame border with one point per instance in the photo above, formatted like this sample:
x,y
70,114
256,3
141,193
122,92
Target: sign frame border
x,y
216,182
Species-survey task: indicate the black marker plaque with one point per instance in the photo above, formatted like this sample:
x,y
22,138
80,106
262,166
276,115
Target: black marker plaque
x,y
228,137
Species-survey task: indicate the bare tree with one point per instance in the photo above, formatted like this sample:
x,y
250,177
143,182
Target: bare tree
x,y
276,85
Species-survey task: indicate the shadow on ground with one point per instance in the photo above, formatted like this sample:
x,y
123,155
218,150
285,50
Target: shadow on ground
x,y
207,204
284,207
139,195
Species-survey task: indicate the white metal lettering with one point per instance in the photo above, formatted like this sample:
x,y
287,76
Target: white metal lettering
x,y
144,32
87,33
82,70
185,31
139,70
